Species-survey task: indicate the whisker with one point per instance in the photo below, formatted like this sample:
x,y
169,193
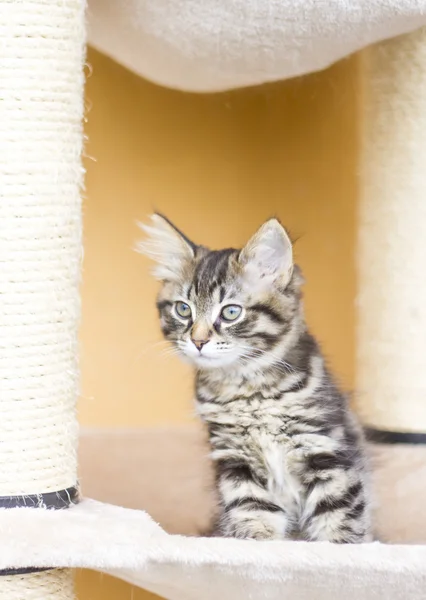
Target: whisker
x,y
256,352
148,346
169,351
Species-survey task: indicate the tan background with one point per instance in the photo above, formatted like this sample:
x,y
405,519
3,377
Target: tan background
x,y
216,165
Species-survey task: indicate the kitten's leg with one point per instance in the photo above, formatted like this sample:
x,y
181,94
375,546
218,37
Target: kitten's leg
x,y
247,509
336,507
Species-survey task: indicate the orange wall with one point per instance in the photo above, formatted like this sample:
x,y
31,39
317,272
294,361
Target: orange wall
x,y
218,165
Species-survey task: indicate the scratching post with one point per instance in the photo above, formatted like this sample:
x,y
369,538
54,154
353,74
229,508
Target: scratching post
x,y
391,348
41,105
391,361
54,584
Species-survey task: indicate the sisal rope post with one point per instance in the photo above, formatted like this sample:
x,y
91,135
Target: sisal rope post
x,y
391,345
42,49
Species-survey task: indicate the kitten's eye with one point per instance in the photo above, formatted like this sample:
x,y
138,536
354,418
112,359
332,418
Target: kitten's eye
x,y
231,312
183,310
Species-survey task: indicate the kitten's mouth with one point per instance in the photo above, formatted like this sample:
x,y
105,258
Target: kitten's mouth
x,y
210,360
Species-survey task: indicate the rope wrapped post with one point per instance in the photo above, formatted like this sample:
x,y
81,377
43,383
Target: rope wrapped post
x,y
42,49
391,345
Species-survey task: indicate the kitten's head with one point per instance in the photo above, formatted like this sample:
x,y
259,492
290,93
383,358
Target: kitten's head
x,y
223,307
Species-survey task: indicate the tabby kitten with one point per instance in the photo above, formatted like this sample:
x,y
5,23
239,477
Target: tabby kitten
x,y
287,451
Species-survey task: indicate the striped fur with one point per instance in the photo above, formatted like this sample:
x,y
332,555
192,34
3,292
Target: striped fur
x,y
288,452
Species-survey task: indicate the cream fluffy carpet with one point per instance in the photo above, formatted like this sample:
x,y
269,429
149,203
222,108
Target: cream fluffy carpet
x,y
210,45
128,544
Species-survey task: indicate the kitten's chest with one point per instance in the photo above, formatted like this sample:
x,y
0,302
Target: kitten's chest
x,y
277,466
248,408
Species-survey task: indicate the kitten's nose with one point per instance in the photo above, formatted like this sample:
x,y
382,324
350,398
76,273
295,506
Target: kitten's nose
x,y
199,343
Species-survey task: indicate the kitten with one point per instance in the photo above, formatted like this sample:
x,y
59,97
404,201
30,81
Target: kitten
x,y
288,453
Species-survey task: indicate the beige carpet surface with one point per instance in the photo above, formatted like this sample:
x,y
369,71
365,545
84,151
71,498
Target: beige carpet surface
x,y
130,545
211,45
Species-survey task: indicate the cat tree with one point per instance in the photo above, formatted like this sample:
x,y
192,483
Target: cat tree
x,y
41,107
42,48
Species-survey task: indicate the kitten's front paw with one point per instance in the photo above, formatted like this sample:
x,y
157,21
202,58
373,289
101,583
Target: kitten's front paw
x,y
253,529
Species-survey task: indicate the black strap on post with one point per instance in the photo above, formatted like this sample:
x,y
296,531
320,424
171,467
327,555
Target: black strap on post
x,y
380,436
49,501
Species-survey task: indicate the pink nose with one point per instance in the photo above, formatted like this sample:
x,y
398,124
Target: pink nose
x,y
199,343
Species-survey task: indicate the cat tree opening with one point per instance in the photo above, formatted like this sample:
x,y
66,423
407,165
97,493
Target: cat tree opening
x,y
40,255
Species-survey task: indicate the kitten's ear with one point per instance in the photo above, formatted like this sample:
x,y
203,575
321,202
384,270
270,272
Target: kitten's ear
x,y
268,254
167,246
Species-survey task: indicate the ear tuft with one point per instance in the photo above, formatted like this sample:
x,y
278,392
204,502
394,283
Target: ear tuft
x,y
167,246
269,253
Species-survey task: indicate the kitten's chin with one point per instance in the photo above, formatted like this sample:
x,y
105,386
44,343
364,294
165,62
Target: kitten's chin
x,y
219,362
210,362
